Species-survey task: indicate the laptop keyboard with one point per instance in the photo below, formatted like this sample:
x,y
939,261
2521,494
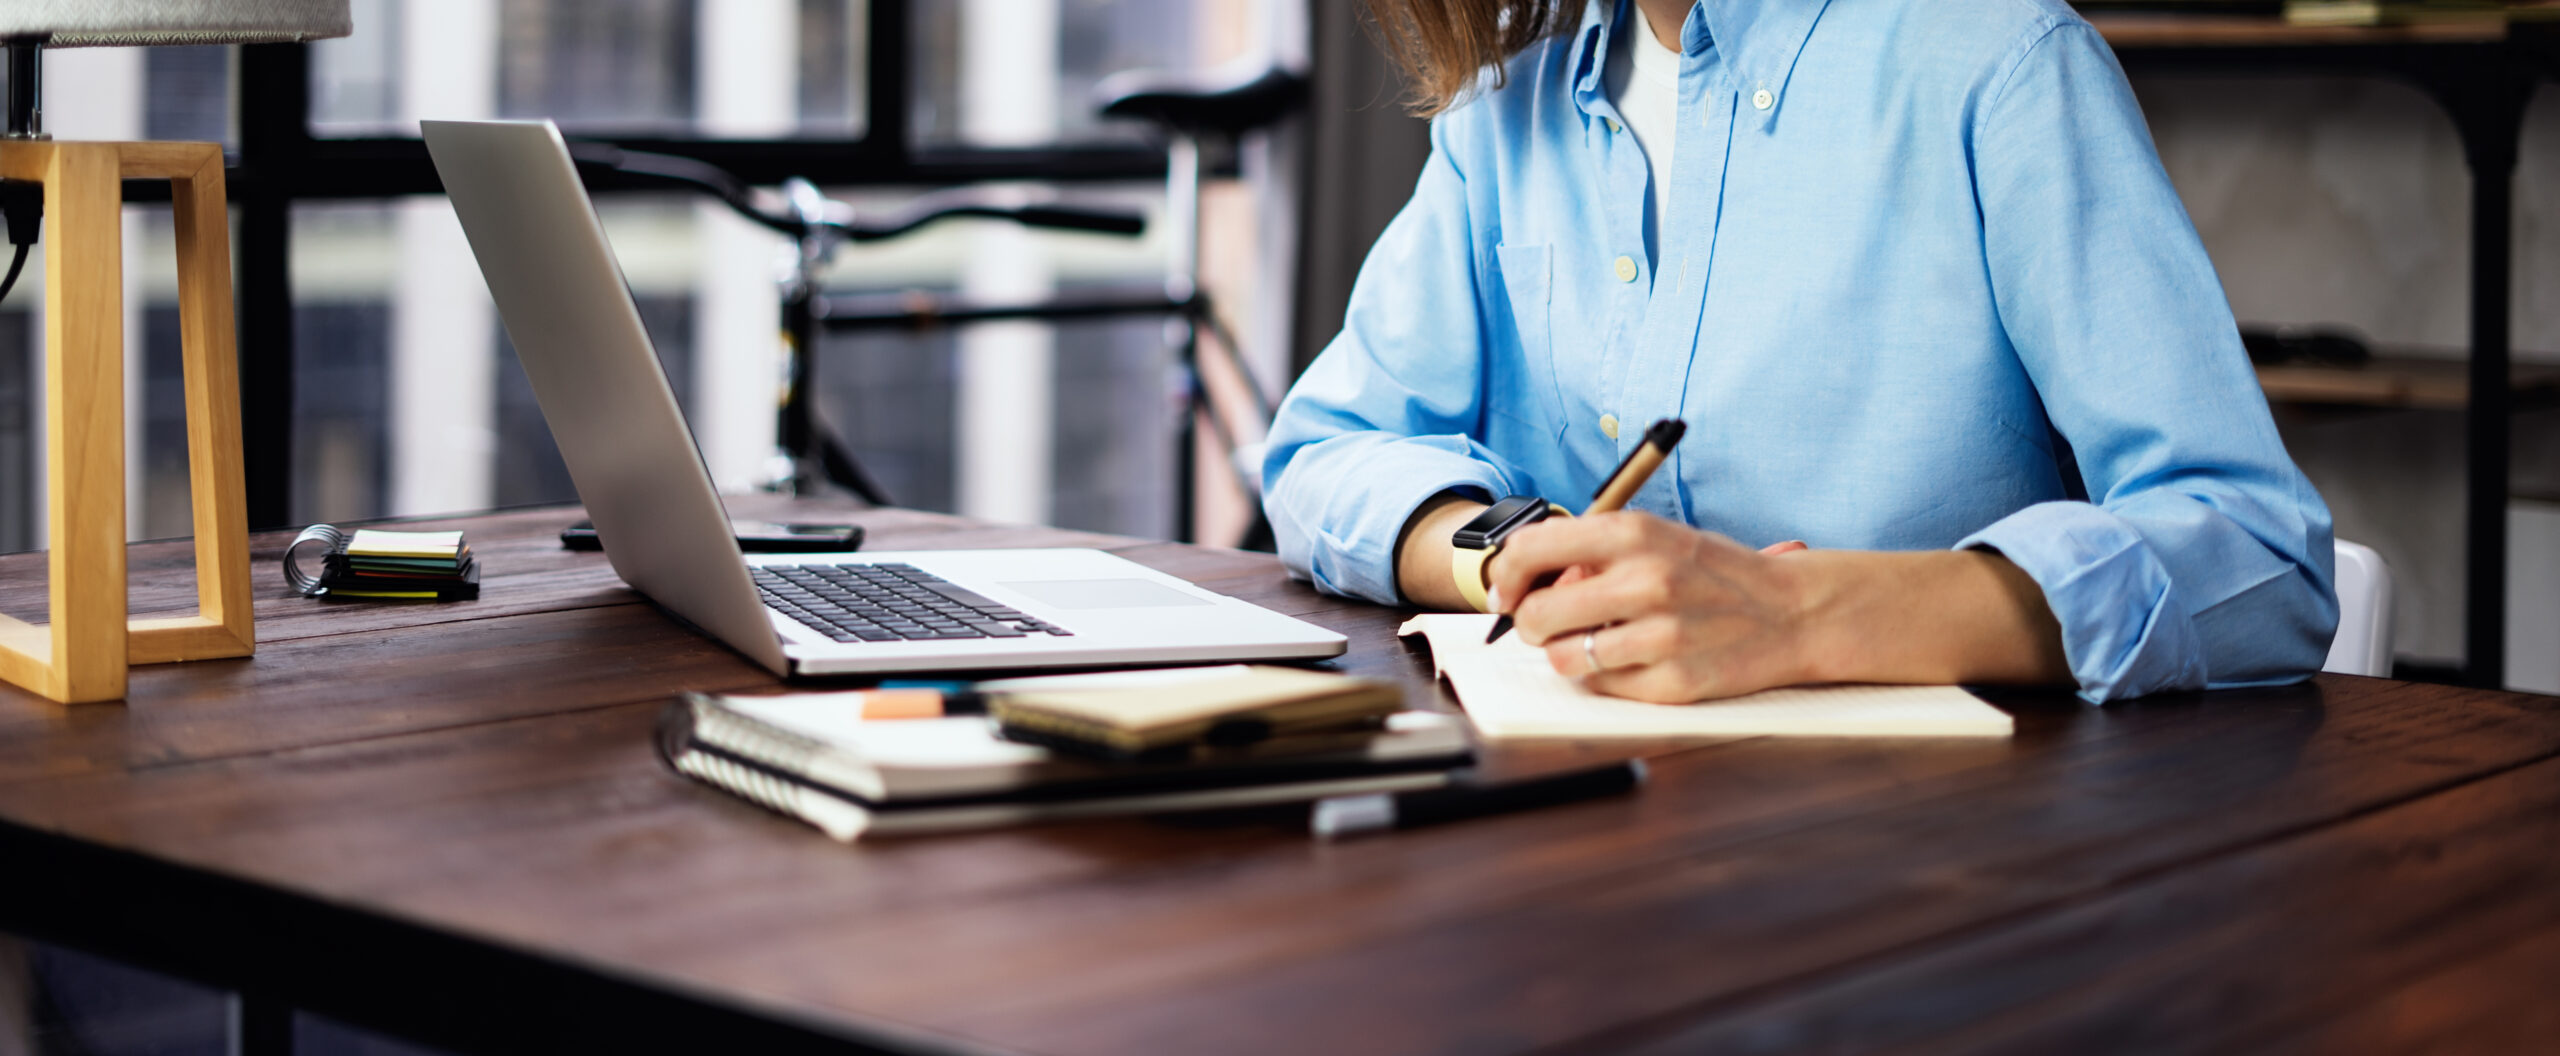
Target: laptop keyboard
x,y
887,603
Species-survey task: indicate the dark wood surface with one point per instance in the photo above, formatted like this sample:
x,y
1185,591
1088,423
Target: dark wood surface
x,y
445,819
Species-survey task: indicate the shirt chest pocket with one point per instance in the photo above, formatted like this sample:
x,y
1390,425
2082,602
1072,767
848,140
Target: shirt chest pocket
x,y
1526,389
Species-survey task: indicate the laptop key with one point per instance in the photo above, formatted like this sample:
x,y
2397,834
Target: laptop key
x,y
970,598
883,602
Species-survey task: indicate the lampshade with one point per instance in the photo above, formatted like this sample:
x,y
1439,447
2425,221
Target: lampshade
x,y
127,23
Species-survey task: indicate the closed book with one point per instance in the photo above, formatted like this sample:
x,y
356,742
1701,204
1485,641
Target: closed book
x,y
1138,713
816,759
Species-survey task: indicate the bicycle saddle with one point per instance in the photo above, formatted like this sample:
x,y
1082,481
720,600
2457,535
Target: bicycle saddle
x,y
1203,102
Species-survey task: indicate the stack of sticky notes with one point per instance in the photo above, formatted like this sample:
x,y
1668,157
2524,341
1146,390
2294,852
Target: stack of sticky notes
x,y
425,565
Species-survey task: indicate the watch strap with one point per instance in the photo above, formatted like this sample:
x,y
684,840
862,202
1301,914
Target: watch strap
x,y
1466,568
1467,564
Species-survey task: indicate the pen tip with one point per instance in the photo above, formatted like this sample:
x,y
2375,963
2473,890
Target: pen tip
x,y
1501,626
1666,432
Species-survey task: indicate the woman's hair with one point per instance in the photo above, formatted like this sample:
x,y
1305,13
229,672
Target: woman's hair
x,y
1444,46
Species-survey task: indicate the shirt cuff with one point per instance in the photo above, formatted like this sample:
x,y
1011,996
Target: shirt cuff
x,y
1351,550
2125,631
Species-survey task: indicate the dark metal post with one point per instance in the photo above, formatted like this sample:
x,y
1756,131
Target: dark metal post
x,y
886,93
792,425
26,101
2486,425
1186,437
2486,95
275,137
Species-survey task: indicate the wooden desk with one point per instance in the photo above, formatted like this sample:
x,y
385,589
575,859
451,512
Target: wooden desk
x,y
445,821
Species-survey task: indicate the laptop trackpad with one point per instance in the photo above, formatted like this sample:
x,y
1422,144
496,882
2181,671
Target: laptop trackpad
x,y
1105,593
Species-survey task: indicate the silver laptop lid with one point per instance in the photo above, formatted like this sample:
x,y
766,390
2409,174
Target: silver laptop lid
x,y
578,334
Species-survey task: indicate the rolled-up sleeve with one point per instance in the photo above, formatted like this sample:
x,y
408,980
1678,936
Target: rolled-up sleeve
x,y
1385,418
2204,557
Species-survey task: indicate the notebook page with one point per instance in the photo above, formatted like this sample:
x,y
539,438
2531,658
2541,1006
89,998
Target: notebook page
x,y
1510,690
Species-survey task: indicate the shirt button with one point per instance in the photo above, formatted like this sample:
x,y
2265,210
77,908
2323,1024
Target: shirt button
x,y
1609,425
1626,269
1762,100
1613,124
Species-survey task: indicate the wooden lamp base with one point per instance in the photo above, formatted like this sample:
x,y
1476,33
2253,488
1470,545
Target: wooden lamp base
x,y
91,640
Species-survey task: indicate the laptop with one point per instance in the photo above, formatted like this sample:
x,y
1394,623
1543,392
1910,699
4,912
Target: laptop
x,y
596,376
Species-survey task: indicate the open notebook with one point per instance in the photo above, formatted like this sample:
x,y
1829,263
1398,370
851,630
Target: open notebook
x,y
1510,690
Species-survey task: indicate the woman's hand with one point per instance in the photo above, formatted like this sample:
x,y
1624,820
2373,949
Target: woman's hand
x,y
1645,608
1674,614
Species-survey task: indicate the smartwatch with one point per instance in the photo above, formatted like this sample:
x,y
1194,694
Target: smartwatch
x,y
1475,543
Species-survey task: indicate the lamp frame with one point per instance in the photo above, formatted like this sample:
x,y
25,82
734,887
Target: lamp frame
x,y
84,653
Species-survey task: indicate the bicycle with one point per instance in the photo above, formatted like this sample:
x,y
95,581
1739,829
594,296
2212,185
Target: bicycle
x,y
1189,111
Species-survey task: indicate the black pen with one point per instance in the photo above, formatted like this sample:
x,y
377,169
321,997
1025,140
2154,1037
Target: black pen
x,y
1342,816
1621,486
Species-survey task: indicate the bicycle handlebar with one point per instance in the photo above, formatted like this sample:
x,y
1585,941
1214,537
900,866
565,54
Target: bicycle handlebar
x,y
947,205
740,198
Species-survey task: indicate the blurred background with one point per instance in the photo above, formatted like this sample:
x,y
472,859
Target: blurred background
x,y
405,399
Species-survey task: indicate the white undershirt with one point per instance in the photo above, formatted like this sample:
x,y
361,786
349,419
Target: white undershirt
x,y
1643,81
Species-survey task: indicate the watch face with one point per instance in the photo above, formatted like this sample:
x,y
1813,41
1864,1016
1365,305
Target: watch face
x,y
1499,520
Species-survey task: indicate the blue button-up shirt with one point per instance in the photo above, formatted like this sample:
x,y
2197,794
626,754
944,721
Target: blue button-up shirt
x,y
1916,251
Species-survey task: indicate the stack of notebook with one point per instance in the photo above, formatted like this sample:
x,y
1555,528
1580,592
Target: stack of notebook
x,y
422,565
814,757
377,564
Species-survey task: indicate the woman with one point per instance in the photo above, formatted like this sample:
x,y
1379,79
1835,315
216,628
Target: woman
x,y
1900,264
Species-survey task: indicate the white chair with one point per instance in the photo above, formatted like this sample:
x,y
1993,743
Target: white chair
x,y
2363,644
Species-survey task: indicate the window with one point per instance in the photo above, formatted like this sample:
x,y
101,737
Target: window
x,y
403,395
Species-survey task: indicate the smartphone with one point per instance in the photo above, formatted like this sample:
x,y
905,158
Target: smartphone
x,y
754,537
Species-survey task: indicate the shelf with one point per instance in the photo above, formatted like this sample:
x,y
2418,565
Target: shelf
x,y
2124,31
2401,381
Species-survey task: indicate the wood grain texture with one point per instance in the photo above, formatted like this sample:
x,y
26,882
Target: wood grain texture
x,y
91,641
218,493
84,420
462,652
2243,871
2194,959
161,160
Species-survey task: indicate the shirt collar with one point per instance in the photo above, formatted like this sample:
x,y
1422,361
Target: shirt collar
x,y
1761,38
1585,59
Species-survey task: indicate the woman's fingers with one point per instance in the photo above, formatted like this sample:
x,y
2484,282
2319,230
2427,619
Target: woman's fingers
x,y
1652,683
1554,545
1625,591
1591,650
